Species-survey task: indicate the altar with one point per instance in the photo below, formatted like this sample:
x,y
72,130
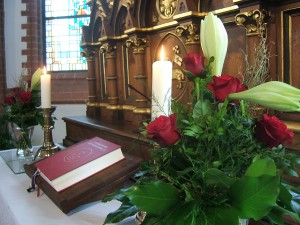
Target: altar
x,y
18,207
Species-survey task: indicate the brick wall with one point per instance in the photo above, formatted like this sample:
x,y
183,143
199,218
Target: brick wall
x,y
68,87
2,53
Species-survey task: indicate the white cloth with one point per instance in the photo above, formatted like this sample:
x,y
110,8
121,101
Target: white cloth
x,y
18,207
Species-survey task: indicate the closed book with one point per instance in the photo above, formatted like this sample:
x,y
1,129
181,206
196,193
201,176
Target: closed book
x,y
79,162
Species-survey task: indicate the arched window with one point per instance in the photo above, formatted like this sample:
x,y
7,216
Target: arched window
x,y
63,22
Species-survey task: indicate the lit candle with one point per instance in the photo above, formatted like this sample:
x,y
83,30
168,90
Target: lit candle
x,y
161,87
45,90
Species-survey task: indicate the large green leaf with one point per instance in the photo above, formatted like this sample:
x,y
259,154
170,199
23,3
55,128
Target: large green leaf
x,y
179,214
125,210
261,167
254,197
217,216
154,197
217,177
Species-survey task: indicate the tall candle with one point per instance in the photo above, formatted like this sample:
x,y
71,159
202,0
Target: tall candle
x,y
161,87
45,90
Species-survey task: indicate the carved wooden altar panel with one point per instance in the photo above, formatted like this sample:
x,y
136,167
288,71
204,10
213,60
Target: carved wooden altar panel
x,y
124,38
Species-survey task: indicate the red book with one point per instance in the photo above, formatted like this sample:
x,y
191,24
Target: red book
x,y
78,162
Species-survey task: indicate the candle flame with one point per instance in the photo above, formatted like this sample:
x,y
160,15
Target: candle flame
x,y
45,72
162,53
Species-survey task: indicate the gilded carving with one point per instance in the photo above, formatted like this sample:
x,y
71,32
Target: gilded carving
x,y
178,75
109,50
102,9
190,32
254,21
88,54
138,44
130,3
166,8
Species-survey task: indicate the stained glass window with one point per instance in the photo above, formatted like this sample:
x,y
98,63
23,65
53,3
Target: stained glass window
x,y
63,22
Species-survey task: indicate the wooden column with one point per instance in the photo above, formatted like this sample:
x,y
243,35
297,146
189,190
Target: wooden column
x,y
255,24
110,72
89,55
139,45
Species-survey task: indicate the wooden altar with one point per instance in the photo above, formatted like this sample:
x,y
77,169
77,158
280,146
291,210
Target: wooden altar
x,y
122,42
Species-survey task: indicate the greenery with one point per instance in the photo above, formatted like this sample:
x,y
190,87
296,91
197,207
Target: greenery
x,y
21,104
216,173
213,162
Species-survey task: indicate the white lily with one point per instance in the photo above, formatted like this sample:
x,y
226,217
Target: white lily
x,y
36,79
274,94
214,41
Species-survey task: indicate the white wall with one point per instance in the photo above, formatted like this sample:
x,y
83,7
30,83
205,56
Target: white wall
x,y
59,131
14,60
13,44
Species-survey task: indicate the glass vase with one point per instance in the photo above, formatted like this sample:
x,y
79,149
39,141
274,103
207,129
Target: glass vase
x,y
23,141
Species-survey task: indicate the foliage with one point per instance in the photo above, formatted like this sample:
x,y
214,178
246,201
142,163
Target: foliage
x,y
216,173
21,105
219,169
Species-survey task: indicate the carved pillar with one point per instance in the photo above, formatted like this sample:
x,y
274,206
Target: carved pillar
x,y
255,24
89,55
110,71
139,45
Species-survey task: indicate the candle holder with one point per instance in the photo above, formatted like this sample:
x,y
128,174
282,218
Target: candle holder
x,y
48,148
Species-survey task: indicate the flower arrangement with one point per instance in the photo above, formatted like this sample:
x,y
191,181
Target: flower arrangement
x,y
21,105
21,110
215,164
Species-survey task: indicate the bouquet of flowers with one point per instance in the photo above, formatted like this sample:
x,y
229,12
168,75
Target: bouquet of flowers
x,y
21,105
216,164
21,110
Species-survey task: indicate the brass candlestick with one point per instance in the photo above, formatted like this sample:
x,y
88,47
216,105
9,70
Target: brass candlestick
x,y
48,148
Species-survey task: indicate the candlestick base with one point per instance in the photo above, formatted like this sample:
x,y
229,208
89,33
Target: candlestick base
x,y
48,148
46,151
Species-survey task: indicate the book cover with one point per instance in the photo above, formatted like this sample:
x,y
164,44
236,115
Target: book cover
x,y
78,162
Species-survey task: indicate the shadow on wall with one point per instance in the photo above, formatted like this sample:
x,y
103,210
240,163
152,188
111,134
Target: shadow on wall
x,y
59,131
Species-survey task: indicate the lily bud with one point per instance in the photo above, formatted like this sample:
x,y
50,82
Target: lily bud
x,y
278,87
36,79
214,41
269,99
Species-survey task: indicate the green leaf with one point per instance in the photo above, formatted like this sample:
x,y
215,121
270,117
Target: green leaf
x,y
261,167
117,195
285,197
278,212
254,197
154,197
217,177
217,216
125,210
291,172
180,214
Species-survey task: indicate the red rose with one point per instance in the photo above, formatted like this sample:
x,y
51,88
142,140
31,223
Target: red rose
x,y
25,96
194,63
10,100
163,130
224,85
271,131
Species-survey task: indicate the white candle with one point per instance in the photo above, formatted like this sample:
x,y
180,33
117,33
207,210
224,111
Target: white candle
x,y
161,87
45,90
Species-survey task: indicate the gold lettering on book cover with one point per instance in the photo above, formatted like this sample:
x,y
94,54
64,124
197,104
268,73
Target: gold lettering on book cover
x,y
254,21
